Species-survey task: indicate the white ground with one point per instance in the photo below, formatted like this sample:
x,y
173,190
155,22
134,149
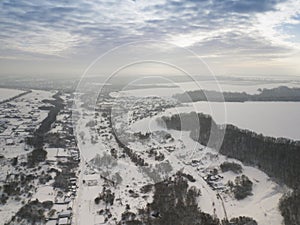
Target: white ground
x,y
220,86
6,93
21,107
262,206
275,119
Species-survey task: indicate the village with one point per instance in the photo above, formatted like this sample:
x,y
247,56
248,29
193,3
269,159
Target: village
x,y
50,183
92,166
19,118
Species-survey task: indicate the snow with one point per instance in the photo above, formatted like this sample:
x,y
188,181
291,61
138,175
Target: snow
x,y
231,86
8,210
262,205
6,93
85,210
54,153
249,87
275,119
23,113
45,193
51,222
63,221
87,149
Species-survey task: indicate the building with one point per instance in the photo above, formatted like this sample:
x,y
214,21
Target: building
x,y
63,221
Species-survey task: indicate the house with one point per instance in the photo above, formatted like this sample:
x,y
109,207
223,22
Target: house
x,y
72,179
92,182
63,221
65,214
6,133
9,141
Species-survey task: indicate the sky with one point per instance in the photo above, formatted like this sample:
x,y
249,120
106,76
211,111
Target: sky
x,y
233,37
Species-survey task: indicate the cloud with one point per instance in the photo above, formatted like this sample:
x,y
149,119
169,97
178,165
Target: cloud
x,y
270,24
250,6
68,28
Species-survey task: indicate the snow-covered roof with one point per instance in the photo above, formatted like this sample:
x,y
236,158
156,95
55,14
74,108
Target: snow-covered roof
x,y
65,214
63,221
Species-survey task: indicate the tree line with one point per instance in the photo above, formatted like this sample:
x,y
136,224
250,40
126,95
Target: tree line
x,y
281,93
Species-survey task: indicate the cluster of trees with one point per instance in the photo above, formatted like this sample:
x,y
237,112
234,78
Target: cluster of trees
x,y
44,178
37,140
242,187
54,140
134,157
158,156
36,156
130,218
275,94
203,128
16,185
11,188
174,202
231,166
104,161
147,188
33,212
243,220
62,179
3,198
187,176
107,196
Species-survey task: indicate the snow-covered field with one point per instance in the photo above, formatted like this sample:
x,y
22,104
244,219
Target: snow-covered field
x,y
6,93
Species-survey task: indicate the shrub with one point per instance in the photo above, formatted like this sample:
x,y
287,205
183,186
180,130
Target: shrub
x,y
231,166
242,187
97,200
242,220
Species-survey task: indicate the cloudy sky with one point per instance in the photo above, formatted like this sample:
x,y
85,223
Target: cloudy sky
x,y
234,37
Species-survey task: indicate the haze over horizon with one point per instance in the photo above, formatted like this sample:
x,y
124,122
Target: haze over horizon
x,y
244,38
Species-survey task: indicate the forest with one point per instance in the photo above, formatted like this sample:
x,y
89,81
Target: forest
x,y
282,93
